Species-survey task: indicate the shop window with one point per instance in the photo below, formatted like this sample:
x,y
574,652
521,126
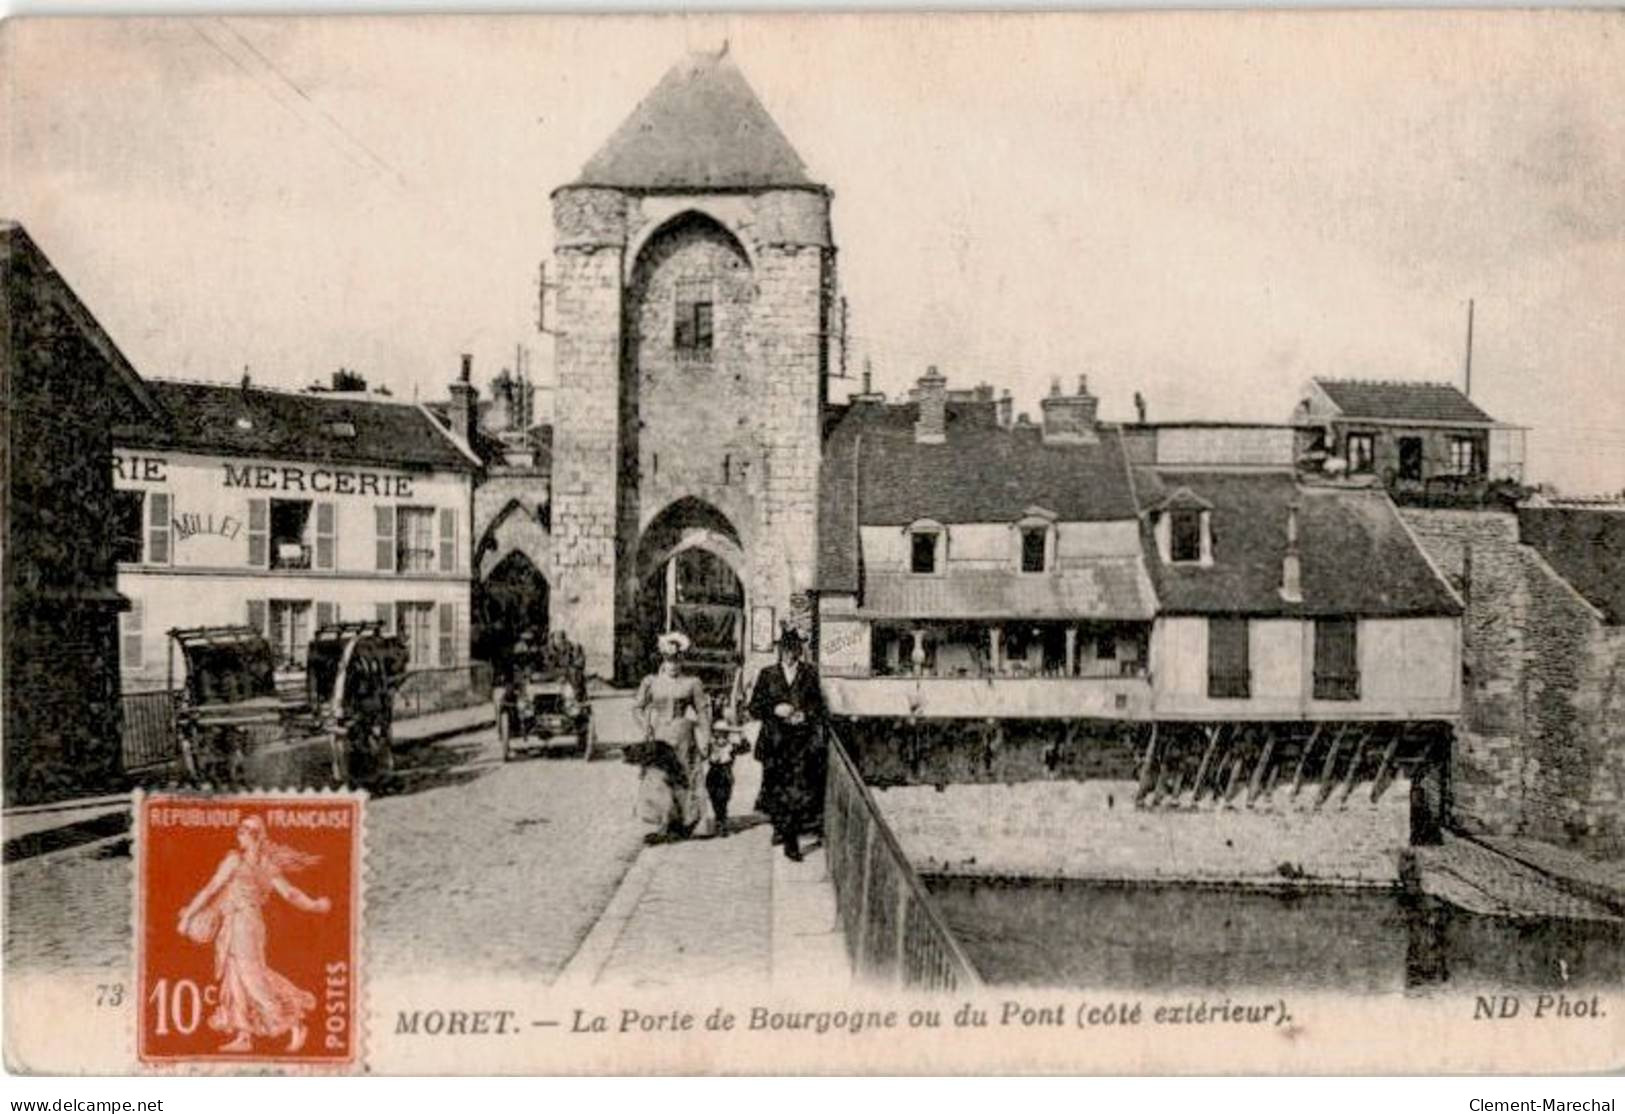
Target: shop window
x,y
415,548
289,630
1362,453
1229,667
414,622
129,526
1337,659
1185,536
1034,546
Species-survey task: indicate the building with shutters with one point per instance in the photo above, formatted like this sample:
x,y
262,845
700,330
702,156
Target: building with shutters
x,y
287,510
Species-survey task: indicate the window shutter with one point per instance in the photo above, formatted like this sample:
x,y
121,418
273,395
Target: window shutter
x,y
386,539
133,621
448,540
448,634
1229,667
259,533
326,536
1337,660
158,528
324,615
257,614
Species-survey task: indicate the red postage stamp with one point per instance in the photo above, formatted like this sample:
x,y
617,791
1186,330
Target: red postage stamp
x,y
248,918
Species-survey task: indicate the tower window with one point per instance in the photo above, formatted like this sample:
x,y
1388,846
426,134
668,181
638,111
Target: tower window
x,y
693,332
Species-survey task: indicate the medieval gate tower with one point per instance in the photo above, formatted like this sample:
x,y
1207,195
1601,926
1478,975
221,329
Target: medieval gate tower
x,y
694,274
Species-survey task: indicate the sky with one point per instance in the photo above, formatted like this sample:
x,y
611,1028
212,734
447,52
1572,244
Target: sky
x,y
1206,208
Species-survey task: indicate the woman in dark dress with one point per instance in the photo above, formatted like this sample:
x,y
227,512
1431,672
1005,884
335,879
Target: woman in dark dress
x,y
789,703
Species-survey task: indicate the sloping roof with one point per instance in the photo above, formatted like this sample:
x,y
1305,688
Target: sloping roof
x,y
204,418
1100,588
875,473
19,251
1401,402
702,127
1355,555
1586,547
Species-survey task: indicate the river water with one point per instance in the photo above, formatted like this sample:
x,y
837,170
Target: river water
x,y
1153,937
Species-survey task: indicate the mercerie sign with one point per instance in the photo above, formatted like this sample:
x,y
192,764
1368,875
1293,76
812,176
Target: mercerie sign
x,y
281,478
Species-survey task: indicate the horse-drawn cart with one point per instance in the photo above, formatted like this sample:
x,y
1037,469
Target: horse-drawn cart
x,y
232,710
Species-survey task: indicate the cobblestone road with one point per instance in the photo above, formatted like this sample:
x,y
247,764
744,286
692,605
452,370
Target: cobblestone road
x,y
473,865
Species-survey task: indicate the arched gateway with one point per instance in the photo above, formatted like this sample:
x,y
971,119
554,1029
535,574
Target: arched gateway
x,y
694,274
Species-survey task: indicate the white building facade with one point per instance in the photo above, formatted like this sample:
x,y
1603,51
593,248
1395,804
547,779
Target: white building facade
x,y
362,511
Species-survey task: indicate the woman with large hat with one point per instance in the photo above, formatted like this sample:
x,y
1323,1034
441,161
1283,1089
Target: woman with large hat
x,y
676,714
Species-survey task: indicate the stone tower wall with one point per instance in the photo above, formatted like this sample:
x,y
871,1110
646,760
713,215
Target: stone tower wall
x,y
589,238
639,428
1541,752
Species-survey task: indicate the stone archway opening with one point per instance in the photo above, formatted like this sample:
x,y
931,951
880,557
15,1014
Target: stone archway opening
x,y
511,602
689,579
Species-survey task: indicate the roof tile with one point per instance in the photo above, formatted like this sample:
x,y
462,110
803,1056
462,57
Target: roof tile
x,y
252,421
1383,401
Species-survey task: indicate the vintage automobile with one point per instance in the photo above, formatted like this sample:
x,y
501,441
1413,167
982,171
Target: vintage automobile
x,y
543,703
232,705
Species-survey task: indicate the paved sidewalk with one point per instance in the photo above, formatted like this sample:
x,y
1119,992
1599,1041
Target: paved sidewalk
x,y
717,910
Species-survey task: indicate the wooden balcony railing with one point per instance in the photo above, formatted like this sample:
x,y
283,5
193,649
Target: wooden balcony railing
x,y
893,930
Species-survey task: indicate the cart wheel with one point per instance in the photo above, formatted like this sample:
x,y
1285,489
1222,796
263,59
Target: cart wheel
x,y
386,747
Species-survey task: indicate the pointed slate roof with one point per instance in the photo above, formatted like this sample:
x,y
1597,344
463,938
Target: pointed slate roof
x,y
702,127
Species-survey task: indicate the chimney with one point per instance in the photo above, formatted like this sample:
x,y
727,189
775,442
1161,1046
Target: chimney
x,y
1291,571
868,394
1070,419
931,428
1139,407
1007,406
465,413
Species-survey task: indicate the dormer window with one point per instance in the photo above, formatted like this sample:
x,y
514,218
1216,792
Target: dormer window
x,y
1185,536
925,546
1034,542
1184,529
923,553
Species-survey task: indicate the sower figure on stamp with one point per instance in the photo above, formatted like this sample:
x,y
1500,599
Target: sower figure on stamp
x,y
789,703
253,1000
